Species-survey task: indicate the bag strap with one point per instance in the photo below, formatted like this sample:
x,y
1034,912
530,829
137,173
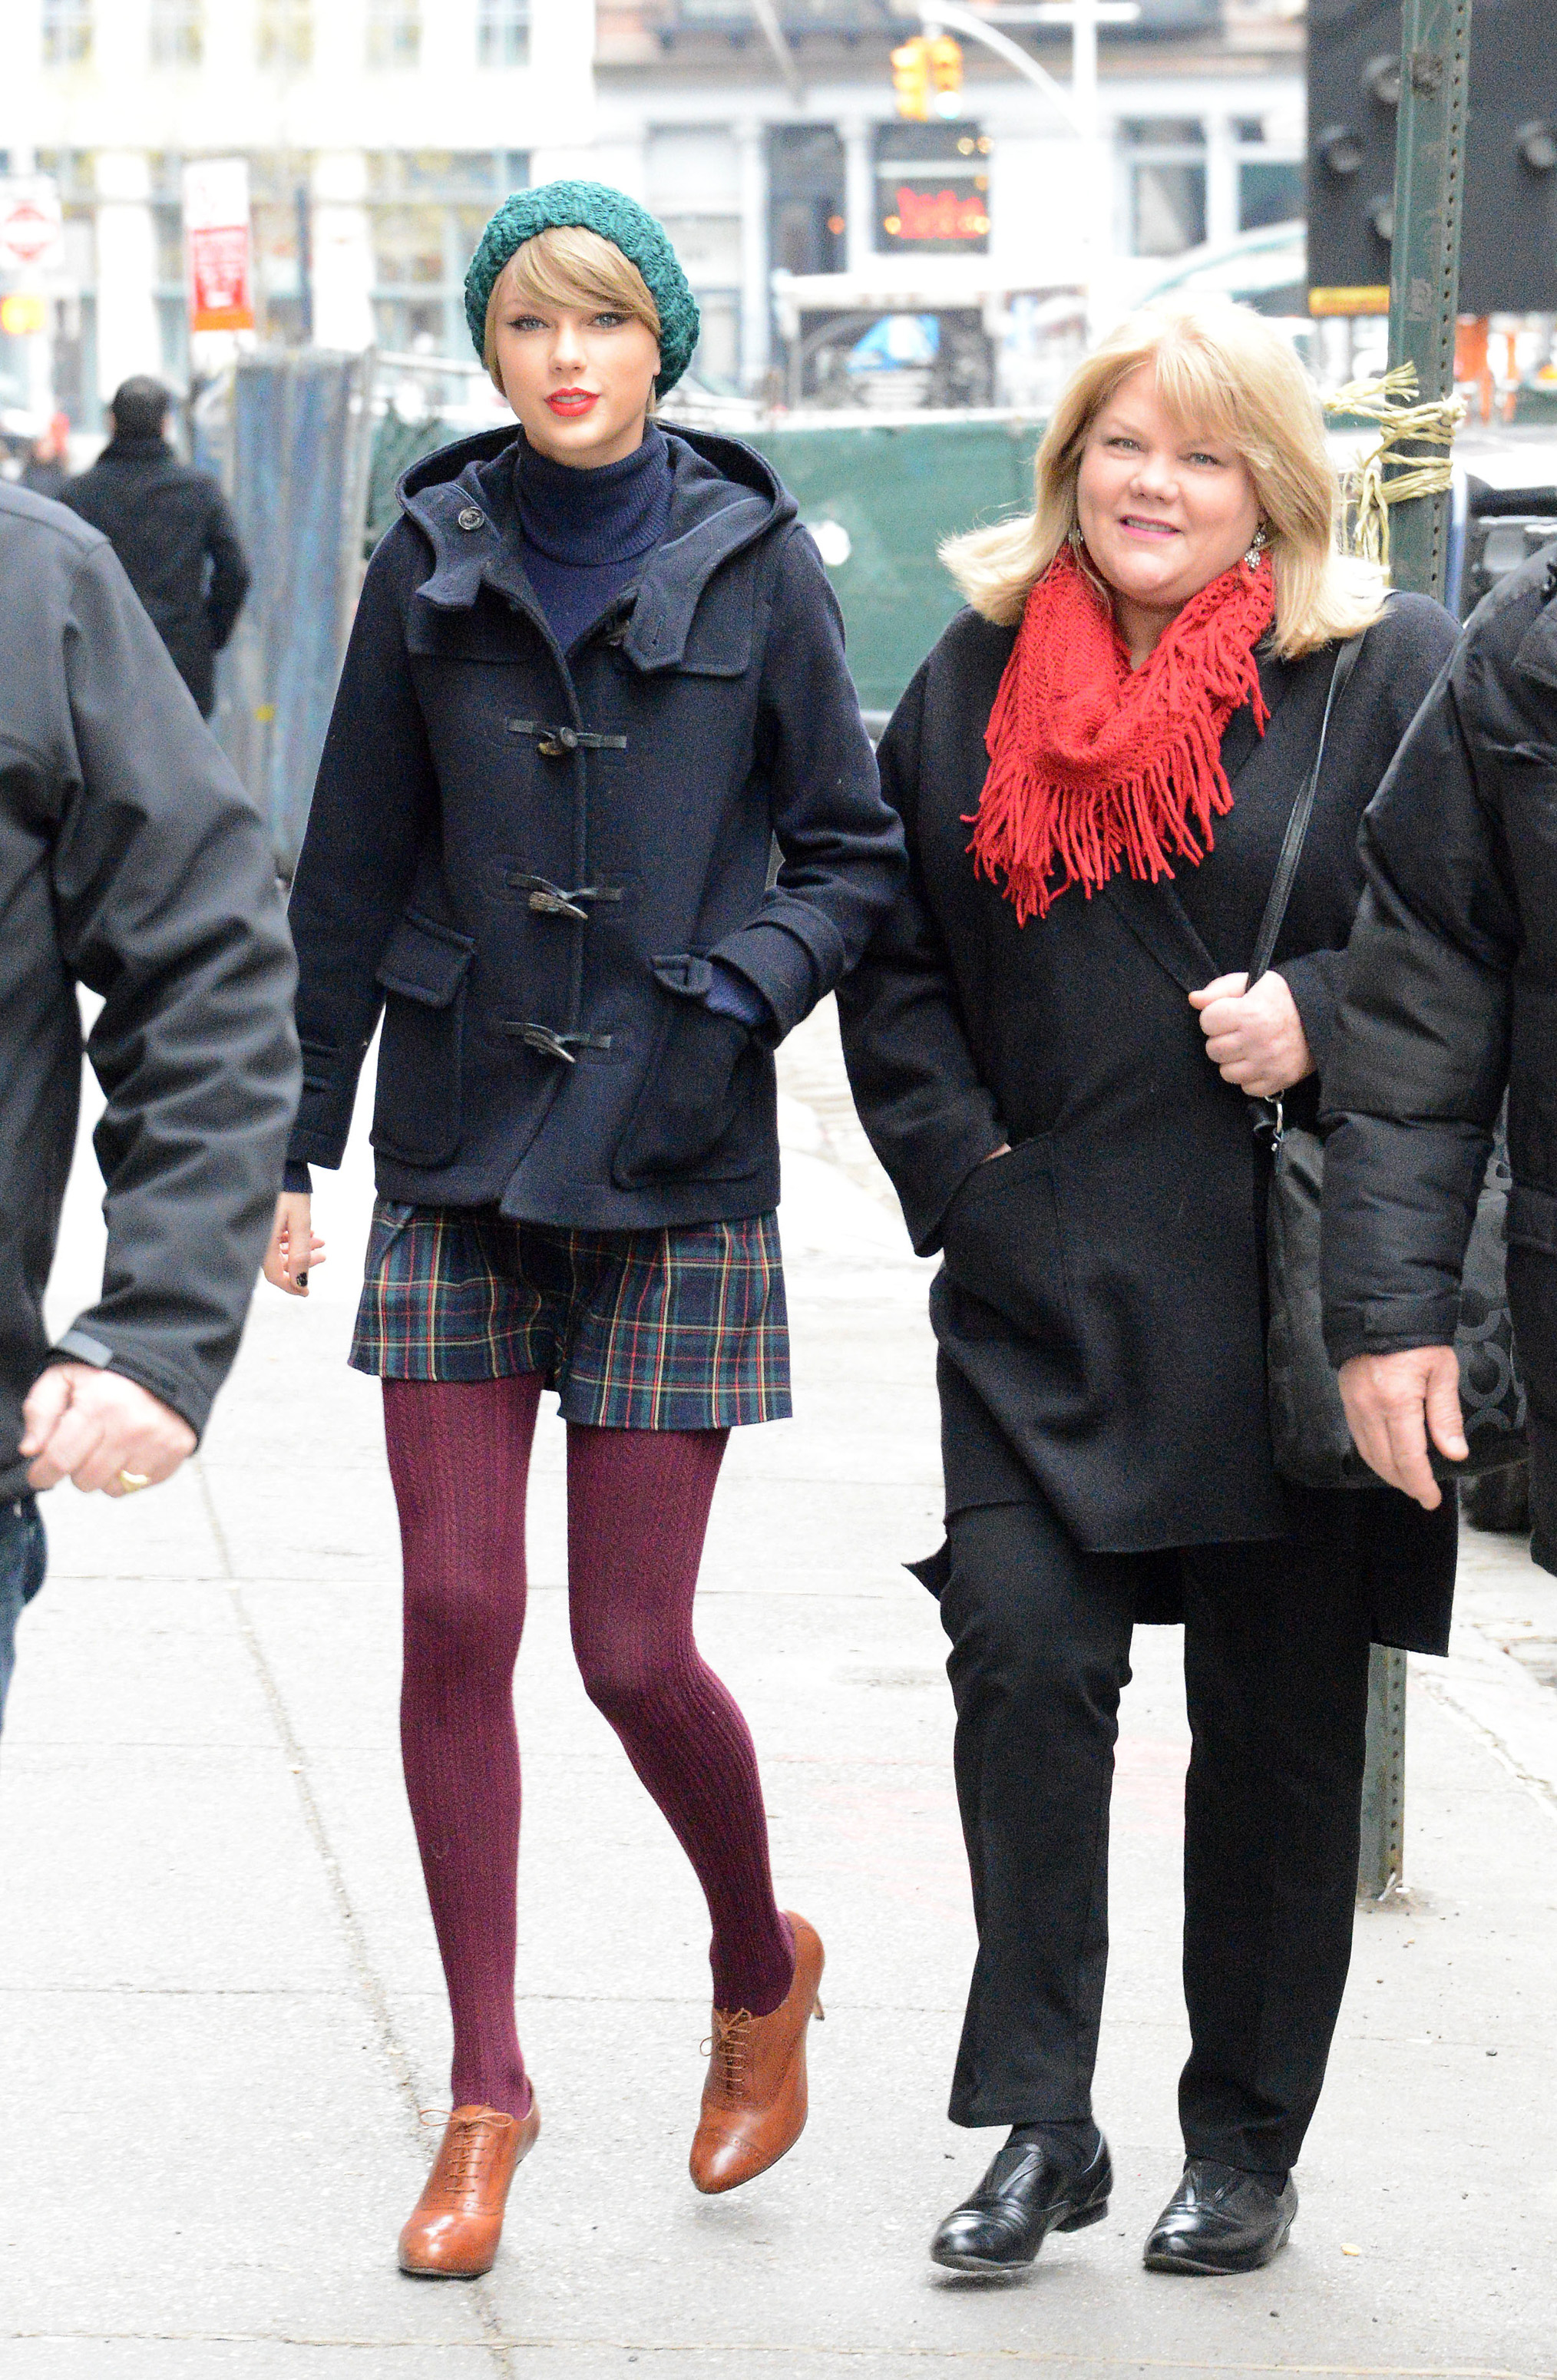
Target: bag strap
x,y
1298,824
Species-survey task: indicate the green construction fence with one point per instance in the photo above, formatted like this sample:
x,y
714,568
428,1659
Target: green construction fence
x,y
895,488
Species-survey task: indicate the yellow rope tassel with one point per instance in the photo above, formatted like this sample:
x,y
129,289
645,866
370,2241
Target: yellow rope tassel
x,y
1385,477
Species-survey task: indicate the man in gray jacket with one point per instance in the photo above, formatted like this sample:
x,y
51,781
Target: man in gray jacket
x,y
130,861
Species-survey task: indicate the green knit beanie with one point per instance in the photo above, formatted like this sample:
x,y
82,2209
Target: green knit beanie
x,y
617,218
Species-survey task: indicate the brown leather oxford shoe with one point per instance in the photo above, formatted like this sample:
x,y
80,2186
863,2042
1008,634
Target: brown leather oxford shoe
x,y
456,2223
754,2093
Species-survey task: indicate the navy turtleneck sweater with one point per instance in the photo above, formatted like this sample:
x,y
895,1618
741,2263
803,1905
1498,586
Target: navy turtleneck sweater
x,y
584,536
586,532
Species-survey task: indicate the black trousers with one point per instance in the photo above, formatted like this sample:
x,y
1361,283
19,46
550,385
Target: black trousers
x,y
1276,1644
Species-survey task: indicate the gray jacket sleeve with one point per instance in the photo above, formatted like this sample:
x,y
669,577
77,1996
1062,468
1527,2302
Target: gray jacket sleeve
x,y
167,903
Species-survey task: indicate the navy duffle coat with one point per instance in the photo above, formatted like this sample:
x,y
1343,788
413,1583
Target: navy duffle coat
x,y
529,859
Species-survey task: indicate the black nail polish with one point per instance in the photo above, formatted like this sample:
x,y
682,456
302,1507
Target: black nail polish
x,y
302,1280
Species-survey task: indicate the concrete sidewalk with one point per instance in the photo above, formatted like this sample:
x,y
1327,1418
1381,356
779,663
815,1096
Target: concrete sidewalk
x,y
222,2006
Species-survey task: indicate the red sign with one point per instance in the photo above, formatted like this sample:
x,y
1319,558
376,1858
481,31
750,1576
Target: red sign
x,y
938,214
217,244
219,279
30,234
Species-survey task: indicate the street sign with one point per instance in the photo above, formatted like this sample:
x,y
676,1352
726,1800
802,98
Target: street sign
x,y
32,231
217,244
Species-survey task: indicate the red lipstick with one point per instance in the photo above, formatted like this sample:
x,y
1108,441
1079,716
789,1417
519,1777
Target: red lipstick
x,y
572,403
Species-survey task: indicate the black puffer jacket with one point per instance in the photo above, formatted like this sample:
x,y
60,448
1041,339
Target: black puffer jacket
x,y
171,528
132,861
1451,998
529,858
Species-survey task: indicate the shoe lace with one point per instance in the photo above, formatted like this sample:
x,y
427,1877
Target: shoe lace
x,y
466,2143
730,2051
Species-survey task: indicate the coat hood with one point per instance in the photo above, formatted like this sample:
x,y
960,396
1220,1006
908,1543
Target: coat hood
x,y
724,497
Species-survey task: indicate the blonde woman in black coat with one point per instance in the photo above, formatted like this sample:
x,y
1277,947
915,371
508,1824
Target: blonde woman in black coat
x,y
1054,1052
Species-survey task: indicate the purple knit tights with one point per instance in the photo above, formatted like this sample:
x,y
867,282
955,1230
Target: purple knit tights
x,y
637,1505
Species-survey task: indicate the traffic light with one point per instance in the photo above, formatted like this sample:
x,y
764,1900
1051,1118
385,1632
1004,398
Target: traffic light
x,y
945,72
911,74
1508,259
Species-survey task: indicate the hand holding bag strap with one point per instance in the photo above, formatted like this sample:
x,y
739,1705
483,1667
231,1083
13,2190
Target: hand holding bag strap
x,y
1298,824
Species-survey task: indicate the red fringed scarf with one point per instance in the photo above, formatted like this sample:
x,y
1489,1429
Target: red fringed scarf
x,y
1095,766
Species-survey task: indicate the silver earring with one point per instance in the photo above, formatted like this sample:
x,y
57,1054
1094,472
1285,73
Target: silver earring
x,y
1076,540
1251,559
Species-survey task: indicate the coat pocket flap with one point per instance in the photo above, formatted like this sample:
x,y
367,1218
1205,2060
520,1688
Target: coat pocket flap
x,y
1532,1219
720,650
683,973
425,962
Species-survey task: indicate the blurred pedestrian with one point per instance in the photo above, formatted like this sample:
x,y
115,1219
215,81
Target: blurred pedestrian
x,y
173,529
1054,1048
1451,1000
596,671
47,469
132,863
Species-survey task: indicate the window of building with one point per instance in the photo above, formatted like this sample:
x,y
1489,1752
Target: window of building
x,y
429,208
806,198
75,310
166,168
285,32
66,32
501,32
848,18
280,187
394,32
1270,191
178,32
932,189
693,177
1165,175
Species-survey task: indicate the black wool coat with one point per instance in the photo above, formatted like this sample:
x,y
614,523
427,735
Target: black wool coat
x,y
1102,1301
1451,998
173,529
527,860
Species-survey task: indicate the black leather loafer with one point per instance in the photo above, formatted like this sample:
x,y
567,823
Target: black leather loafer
x,y
1220,2220
1024,2196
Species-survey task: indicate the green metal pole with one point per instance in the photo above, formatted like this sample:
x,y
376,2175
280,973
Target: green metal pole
x,y
1424,294
1425,257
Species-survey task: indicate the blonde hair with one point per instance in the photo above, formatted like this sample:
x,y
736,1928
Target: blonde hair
x,y
1226,369
567,264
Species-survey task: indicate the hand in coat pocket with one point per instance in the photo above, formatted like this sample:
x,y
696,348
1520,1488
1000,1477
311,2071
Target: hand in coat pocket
x,y
691,1098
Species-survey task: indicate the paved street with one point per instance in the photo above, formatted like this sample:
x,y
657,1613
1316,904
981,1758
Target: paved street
x,y
222,2005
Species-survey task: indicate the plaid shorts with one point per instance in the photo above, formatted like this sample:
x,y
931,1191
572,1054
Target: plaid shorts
x,y
682,1329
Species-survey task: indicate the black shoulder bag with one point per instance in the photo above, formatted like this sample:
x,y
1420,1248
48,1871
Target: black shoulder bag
x,y
1313,1445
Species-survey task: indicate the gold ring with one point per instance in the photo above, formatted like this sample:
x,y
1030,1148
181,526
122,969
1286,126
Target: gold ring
x,y
133,1481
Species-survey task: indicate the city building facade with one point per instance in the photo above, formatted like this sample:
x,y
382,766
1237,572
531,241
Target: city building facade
x,y
379,135
808,207
841,253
